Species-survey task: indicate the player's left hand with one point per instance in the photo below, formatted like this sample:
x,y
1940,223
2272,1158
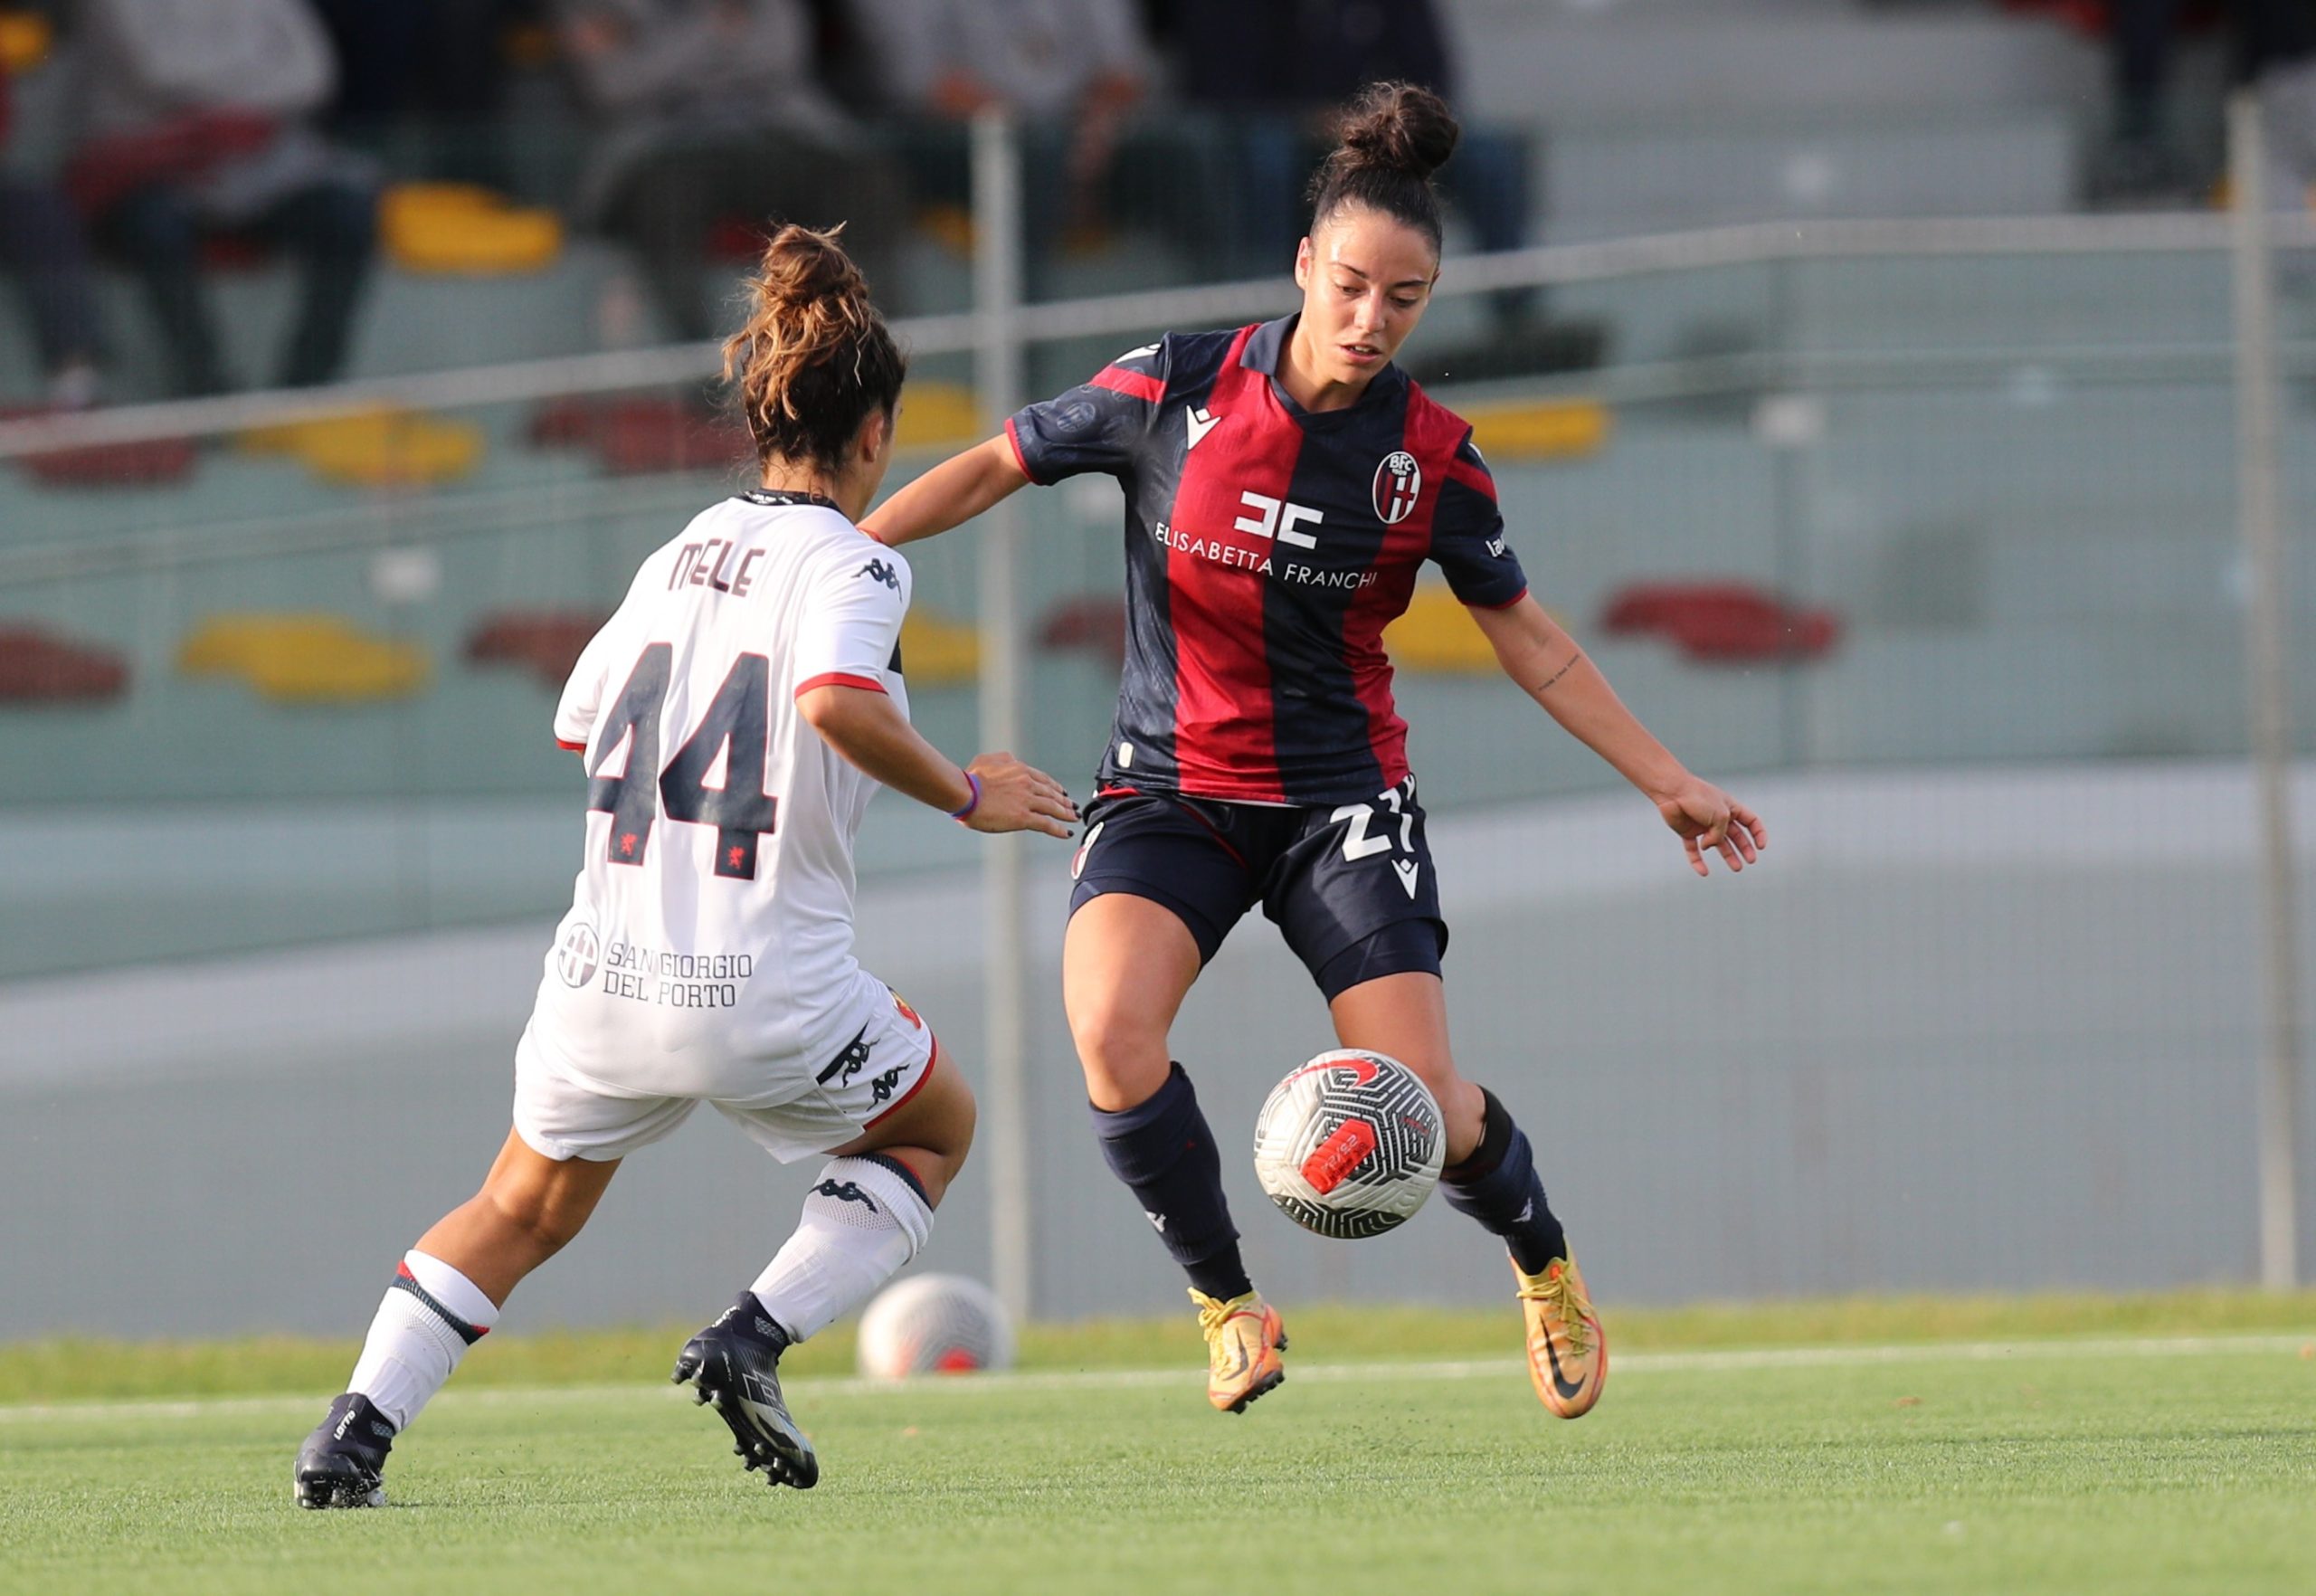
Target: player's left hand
x,y
1708,820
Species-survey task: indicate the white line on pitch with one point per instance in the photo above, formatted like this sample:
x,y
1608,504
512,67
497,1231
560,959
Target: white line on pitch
x,y
1639,1363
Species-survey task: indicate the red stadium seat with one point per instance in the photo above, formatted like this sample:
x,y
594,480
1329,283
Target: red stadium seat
x,y
1722,623
1094,623
115,465
37,666
545,642
632,437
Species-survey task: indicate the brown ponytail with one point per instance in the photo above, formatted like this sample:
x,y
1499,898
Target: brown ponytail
x,y
815,356
1389,140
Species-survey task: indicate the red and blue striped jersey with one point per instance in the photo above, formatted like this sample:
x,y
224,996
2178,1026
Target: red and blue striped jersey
x,y
1267,548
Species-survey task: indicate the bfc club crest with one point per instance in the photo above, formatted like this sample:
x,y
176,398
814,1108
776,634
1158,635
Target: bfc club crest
x,y
1399,482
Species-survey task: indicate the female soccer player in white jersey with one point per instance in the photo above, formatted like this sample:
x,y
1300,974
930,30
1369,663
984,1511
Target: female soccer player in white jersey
x,y
735,715
1284,483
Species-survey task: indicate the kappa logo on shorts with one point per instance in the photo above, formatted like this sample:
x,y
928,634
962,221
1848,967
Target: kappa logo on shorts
x,y
578,955
846,1064
882,1087
846,1191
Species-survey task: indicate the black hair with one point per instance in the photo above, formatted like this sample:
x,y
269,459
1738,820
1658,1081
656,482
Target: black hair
x,y
1389,140
815,357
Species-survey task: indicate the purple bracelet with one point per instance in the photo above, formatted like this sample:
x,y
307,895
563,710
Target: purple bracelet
x,y
973,802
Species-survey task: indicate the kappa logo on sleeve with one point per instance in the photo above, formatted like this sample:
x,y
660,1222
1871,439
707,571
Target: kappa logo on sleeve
x,y
877,570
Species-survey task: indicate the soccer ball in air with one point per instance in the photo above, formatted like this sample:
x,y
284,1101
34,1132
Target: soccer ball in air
x,y
934,1325
1349,1145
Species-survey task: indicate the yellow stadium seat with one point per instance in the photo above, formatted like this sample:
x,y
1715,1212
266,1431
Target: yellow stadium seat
x,y
375,448
1541,429
936,651
938,416
26,39
1437,634
462,228
304,657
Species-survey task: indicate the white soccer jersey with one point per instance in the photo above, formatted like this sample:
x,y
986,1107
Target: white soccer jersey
x,y
708,949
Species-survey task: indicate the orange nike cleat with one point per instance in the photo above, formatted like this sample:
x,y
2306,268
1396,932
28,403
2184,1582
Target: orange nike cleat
x,y
1243,1341
1568,1356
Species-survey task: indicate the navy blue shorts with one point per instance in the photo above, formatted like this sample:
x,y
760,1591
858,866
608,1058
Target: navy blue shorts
x,y
1351,885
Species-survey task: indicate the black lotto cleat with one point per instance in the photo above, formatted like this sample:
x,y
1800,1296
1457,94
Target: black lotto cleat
x,y
343,1462
734,1364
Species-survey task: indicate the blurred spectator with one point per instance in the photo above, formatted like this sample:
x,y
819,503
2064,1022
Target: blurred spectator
x,y
2275,50
2271,43
1277,70
2141,161
445,59
1077,74
41,243
195,121
709,112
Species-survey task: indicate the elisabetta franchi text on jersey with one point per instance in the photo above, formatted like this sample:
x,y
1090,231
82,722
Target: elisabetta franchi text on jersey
x,y
1267,548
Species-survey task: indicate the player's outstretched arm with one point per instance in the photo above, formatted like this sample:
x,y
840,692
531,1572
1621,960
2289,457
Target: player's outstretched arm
x,y
1549,666
949,494
1001,794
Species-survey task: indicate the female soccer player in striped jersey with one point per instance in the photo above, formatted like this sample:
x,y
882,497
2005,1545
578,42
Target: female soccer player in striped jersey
x,y
735,715
1284,484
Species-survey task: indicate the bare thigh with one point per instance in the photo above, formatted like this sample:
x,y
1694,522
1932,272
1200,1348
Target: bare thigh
x,y
1126,964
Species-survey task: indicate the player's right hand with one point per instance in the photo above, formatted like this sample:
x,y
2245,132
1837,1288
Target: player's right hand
x,y
1018,797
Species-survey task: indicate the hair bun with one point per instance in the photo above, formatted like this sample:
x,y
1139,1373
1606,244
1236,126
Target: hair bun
x,y
801,265
1399,125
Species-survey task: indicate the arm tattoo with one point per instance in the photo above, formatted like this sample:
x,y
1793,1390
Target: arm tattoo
x,y
1563,671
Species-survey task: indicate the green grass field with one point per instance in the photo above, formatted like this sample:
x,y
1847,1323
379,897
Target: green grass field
x,y
2161,1445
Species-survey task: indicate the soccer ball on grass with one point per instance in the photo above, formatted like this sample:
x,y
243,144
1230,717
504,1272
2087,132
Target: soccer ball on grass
x,y
934,1325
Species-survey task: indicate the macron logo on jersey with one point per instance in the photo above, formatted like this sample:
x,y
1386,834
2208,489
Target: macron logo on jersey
x,y
1200,423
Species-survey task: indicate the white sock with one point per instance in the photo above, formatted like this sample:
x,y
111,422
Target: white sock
x,y
861,1223
432,1313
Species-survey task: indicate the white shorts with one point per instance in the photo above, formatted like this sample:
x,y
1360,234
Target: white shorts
x,y
561,1113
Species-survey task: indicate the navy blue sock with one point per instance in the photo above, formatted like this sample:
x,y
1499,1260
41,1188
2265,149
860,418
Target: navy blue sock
x,y
1498,1186
1162,1149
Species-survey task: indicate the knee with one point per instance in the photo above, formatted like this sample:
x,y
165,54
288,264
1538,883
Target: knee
x,y
155,224
1124,1052
341,222
545,1224
954,1138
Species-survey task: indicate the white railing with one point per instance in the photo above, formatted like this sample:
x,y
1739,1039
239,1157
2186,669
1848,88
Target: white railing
x,y
1550,265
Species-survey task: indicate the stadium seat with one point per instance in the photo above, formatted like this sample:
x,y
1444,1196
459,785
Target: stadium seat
x,y
153,464
1437,634
304,657
1721,622
1541,429
26,37
387,448
545,642
636,436
936,651
939,415
463,228
38,666
1095,622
